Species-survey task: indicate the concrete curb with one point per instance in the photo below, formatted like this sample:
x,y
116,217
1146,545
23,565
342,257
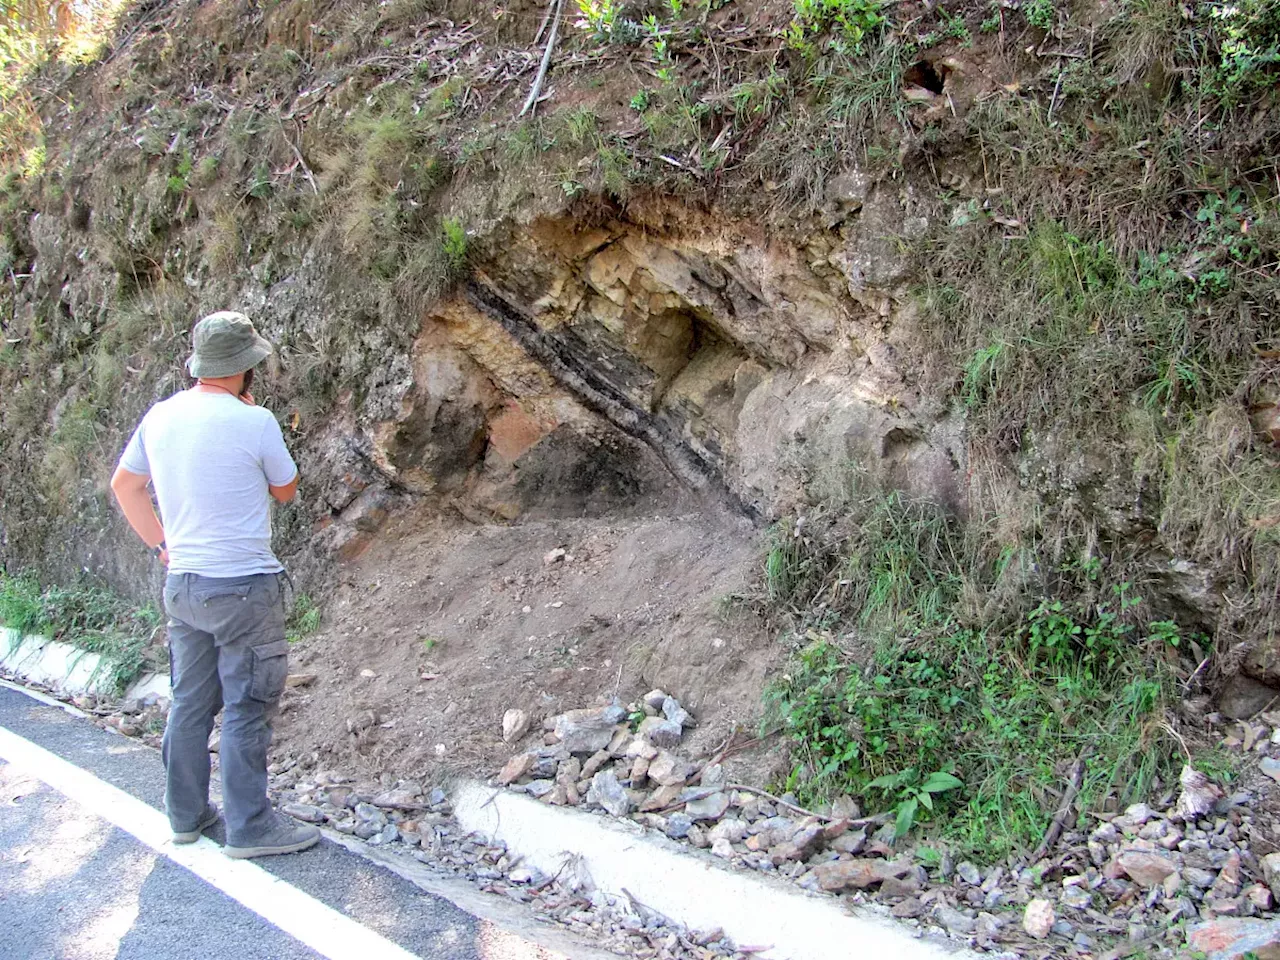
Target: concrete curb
x,y
67,669
625,860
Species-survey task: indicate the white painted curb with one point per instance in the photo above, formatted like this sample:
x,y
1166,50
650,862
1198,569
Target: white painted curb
x,y
69,670
624,859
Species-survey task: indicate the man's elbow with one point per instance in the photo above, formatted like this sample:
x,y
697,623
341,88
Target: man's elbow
x,y
123,483
285,493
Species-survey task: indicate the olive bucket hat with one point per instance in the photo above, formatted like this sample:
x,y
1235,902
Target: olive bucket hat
x,y
224,344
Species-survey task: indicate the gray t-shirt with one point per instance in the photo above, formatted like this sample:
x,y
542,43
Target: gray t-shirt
x,y
210,458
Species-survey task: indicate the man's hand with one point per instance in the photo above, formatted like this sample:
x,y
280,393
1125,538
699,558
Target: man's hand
x,y
164,557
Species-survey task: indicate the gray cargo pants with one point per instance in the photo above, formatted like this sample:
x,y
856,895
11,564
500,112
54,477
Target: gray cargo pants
x,y
227,650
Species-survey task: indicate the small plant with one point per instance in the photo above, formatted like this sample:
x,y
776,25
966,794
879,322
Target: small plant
x,y
181,177
641,101
454,242
303,620
603,19
849,23
431,644
911,794
261,184
1040,13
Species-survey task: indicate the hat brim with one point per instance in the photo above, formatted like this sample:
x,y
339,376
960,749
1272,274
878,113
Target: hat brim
x,y
239,362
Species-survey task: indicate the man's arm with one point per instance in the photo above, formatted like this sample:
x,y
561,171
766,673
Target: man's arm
x,y
285,493
135,502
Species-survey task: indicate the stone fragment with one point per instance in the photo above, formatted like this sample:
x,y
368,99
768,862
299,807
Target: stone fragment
x,y
1199,794
967,872
641,748
859,873
1202,879
515,724
712,807
722,848
1259,896
957,923
678,825
1242,697
729,829
1271,873
517,767
299,679
1172,884
399,797
1271,767
698,837
1228,883
908,909
539,788
677,714
1038,918
588,731
845,808
660,732
639,772
661,798
800,847
554,556
594,763
1232,939
668,770
655,698
303,811
370,814
851,842
1145,869
894,888
712,776
607,791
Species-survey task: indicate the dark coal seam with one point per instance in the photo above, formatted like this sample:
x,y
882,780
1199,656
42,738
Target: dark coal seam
x,y
598,394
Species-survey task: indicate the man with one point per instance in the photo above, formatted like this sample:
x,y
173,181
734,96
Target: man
x,y
214,459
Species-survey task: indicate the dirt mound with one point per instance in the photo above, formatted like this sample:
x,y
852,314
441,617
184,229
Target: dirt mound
x,y
438,629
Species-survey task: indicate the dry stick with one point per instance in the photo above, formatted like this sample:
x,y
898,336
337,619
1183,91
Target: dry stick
x,y
1074,779
546,61
298,153
878,818
542,28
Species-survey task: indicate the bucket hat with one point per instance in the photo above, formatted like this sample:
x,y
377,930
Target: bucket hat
x,y
224,344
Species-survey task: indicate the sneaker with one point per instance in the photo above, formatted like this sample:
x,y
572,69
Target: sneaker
x,y
208,820
282,838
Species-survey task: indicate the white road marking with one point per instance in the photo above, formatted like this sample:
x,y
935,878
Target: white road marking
x,y
320,927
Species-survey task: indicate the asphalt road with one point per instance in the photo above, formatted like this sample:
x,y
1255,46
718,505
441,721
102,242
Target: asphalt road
x,y
73,886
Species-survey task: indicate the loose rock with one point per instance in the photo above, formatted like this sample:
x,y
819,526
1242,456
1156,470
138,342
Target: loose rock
x,y
1038,918
515,724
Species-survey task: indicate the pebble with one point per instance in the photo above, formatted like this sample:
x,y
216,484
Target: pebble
x,y
968,873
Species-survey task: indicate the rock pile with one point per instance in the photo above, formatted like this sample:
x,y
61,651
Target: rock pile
x,y
1140,876
418,821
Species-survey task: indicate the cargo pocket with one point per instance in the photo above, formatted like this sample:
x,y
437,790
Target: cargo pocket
x,y
210,595
270,667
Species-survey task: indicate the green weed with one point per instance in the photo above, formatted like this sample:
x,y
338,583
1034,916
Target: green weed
x,y
304,618
87,617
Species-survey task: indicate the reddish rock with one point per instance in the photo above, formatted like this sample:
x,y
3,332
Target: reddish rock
x,y
516,767
661,798
1145,869
799,847
859,874
1232,939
